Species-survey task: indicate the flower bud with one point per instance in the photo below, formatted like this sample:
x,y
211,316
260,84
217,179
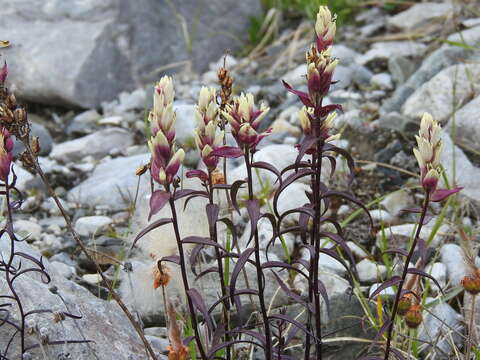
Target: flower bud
x,y
413,317
325,28
245,118
430,180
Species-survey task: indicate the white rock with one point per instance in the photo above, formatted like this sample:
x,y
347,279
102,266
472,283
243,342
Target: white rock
x,y
453,258
369,272
344,53
396,202
388,49
66,270
185,121
466,119
92,278
296,76
459,169
440,325
406,231
112,183
420,15
326,263
382,81
439,271
388,292
91,225
357,250
452,85
380,215
98,145
28,229
131,101
111,120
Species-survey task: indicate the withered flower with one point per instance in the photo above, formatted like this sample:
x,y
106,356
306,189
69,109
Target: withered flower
x,y
176,350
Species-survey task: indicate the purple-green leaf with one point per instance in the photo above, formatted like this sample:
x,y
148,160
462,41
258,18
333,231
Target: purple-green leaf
x,y
157,201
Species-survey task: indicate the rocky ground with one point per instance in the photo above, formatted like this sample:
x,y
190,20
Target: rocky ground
x,y
393,67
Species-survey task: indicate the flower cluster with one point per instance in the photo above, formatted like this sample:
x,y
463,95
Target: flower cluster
x,y
166,159
305,116
320,67
6,153
428,155
245,119
207,138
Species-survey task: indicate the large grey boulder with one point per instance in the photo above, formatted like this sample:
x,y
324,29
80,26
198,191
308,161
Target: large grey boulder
x,y
420,15
441,58
444,93
98,145
102,322
465,122
64,53
83,52
113,184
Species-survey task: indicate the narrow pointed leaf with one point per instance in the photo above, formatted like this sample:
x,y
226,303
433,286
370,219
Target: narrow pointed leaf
x,y
151,227
424,274
442,194
200,305
242,260
389,283
157,201
233,193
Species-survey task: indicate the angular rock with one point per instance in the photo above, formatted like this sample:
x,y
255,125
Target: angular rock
x,y
384,50
467,130
420,15
369,271
102,322
97,145
439,59
90,225
73,48
116,42
440,325
112,183
460,170
382,81
453,258
446,91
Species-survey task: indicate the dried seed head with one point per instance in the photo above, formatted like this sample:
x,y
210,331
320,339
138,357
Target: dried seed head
x,y
413,317
161,275
218,177
11,101
20,115
176,350
58,316
471,283
35,145
142,169
404,304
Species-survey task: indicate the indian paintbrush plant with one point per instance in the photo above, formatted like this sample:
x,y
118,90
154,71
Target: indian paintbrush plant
x,y
218,115
270,331
407,303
